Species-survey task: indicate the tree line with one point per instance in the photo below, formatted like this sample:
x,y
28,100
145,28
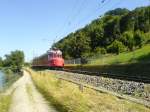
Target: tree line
x,y
119,30
13,61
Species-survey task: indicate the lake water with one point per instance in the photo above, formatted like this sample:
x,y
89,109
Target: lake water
x,y
2,80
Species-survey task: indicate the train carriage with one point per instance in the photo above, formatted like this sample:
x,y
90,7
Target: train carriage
x,y
51,59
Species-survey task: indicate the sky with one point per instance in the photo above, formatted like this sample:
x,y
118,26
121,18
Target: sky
x,y
34,25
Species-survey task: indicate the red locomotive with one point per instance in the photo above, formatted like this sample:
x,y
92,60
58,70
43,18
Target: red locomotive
x,y
52,59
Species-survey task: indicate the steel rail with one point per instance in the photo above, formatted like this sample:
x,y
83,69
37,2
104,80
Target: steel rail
x,y
110,75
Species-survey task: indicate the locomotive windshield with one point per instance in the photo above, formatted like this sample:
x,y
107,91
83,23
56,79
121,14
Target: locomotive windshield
x,y
55,53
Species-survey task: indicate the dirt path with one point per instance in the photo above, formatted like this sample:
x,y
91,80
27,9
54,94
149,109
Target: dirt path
x,y
26,98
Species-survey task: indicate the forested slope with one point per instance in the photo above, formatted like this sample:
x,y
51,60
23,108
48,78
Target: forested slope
x,y
119,30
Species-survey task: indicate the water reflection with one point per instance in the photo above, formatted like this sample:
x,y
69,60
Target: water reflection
x,y
1,80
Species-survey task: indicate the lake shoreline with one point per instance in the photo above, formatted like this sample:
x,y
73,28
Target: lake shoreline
x,y
9,78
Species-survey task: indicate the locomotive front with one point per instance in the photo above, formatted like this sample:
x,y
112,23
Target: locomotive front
x,y
55,59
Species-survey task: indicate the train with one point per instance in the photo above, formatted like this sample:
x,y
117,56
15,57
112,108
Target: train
x,y
52,59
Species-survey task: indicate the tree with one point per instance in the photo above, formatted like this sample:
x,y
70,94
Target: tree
x,y
14,60
116,47
144,19
118,24
139,38
128,39
1,62
118,11
80,45
111,30
99,50
127,22
96,37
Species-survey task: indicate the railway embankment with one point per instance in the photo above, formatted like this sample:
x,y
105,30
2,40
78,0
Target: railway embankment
x,y
68,96
135,89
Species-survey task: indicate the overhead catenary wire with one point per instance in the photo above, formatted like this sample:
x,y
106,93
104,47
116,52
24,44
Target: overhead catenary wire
x,y
81,9
103,2
98,9
70,16
65,22
73,17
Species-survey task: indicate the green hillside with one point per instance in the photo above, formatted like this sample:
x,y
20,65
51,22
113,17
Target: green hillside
x,y
118,31
136,63
139,55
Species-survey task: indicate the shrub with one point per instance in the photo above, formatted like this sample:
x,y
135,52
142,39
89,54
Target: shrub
x,y
99,50
128,40
116,47
139,38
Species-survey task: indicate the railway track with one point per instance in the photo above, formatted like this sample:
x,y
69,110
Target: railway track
x,y
121,88
110,75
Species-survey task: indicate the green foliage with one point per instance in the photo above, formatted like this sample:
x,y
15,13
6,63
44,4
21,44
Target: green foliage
x,y
147,37
139,38
116,47
139,55
117,11
1,62
5,101
143,19
128,39
96,36
14,60
129,27
127,22
111,30
100,50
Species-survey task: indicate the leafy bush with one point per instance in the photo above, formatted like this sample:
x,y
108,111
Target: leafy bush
x,y
14,60
116,47
128,40
139,38
99,50
147,37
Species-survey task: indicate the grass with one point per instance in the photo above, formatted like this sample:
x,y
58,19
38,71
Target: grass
x,y
134,63
5,100
139,55
4,103
67,97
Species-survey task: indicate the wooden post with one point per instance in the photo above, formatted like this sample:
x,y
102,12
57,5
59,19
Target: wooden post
x,y
81,87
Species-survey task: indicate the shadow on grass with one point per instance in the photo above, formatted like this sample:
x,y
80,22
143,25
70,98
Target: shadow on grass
x,y
144,58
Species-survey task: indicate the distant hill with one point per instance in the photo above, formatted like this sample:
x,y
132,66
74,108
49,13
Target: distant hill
x,y
118,31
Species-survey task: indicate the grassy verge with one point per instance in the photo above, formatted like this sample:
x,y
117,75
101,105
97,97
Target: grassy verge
x,y
67,97
139,55
132,63
4,103
5,100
